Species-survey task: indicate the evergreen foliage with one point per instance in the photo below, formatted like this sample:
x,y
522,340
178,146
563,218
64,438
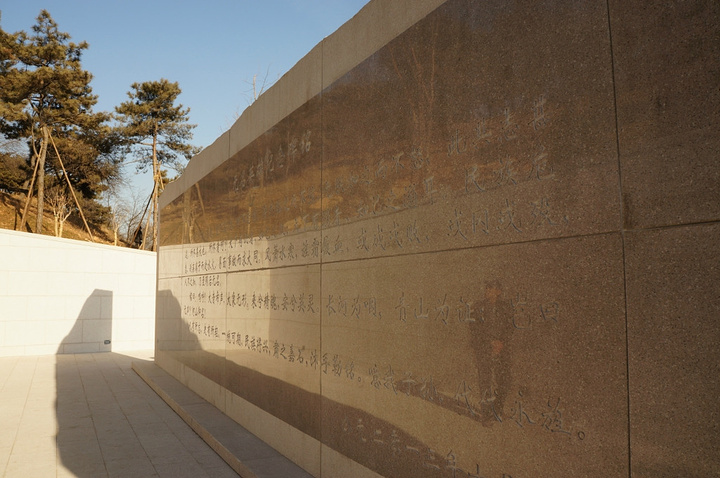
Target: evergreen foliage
x,y
13,172
158,134
156,126
45,93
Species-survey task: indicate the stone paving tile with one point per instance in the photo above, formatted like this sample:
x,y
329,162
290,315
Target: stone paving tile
x,y
31,466
221,472
180,470
83,469
130,467
91,416
4,456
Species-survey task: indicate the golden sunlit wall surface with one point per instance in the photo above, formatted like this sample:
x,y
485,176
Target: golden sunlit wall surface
x,y
464,239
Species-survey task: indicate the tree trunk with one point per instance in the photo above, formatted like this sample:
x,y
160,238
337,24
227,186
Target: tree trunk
x,y
157,177
145,232
41,180
155,214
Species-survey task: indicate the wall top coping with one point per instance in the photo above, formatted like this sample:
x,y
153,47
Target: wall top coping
x,y
32,237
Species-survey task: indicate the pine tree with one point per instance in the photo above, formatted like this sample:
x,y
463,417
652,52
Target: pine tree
x,y
159,133
44,93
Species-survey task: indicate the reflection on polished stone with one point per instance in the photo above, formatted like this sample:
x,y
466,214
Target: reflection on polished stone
x,y
423,268
269,189
517,147
490,353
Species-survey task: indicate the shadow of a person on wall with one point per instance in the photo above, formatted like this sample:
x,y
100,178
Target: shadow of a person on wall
x,y
92,331
77,443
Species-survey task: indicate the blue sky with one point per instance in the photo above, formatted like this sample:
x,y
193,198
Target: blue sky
x,y
212,48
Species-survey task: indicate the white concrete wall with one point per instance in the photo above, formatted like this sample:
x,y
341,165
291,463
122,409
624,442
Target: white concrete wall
x,y
65,296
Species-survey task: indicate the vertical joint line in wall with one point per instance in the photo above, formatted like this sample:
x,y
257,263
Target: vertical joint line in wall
x,y
622,231
322,197
617,122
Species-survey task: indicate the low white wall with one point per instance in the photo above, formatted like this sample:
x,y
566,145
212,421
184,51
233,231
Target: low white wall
x,y
65,296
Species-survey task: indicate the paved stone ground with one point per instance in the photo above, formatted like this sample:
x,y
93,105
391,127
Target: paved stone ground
x,y
247,454
91,416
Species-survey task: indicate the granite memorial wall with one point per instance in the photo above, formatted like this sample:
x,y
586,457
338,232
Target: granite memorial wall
x,y
465,239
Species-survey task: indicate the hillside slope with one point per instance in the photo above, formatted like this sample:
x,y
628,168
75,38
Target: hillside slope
x,y
11,209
